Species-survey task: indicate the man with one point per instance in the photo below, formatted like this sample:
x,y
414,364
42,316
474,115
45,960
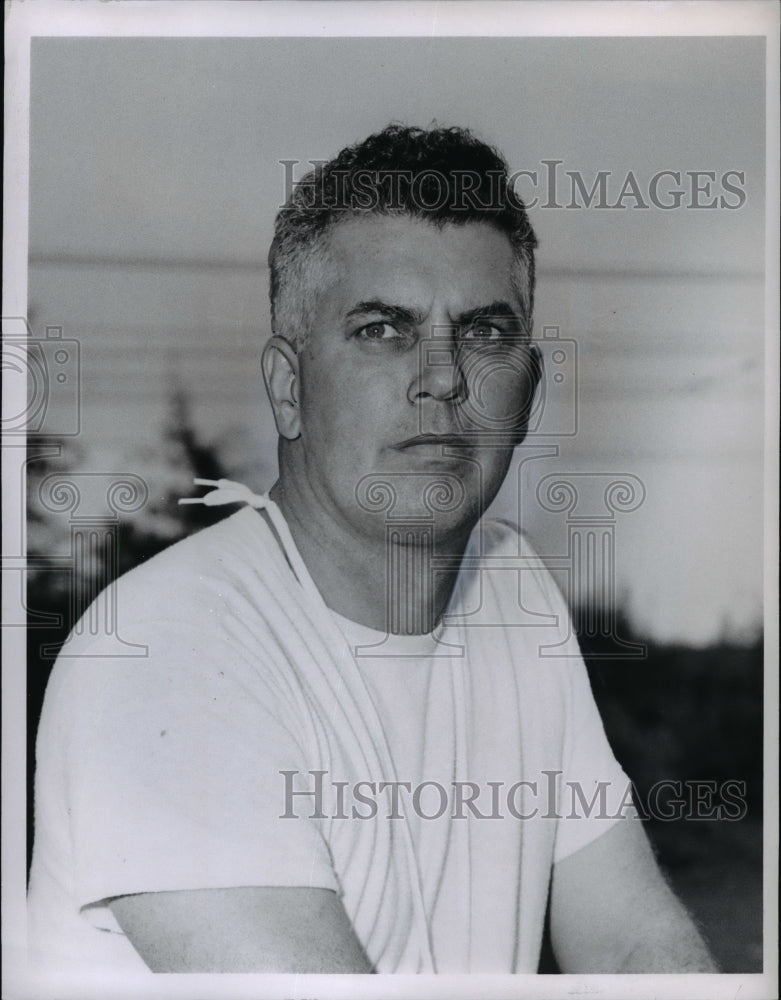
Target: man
x,y
344,751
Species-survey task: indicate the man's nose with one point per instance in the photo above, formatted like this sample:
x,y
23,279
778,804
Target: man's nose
x,y
439,374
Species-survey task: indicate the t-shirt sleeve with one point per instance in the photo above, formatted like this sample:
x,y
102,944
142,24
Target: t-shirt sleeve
x,y
174,765
595,792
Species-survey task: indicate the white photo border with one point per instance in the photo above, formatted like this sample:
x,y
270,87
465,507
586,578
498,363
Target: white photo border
x,y
209,18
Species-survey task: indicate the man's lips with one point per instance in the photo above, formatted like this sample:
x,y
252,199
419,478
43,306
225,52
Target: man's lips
x,y
450,440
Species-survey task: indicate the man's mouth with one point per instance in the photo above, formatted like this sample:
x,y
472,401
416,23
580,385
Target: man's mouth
x,y
449,440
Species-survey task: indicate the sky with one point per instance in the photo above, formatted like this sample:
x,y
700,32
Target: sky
x,y
156,171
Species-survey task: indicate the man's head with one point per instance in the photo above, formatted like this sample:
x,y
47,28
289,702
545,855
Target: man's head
x,y
441,175
401,362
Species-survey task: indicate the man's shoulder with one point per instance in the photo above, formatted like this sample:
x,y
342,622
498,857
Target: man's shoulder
x,y
182,582
500,537
503,531
205,547
172,620
508,577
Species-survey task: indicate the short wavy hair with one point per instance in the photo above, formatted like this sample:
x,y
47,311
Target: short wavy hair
x,y
442,175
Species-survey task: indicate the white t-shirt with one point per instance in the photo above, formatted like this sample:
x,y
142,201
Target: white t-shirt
x,y
177,769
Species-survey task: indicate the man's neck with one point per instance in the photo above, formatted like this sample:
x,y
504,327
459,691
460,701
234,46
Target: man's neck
x,y
385,583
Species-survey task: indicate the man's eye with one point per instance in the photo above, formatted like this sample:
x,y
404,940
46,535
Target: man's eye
x,y
482,331
378,331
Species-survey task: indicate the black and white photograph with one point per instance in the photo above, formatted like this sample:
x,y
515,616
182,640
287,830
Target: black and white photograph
x,y
390,462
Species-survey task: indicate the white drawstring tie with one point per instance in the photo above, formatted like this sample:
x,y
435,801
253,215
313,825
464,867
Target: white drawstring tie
x,y
226,492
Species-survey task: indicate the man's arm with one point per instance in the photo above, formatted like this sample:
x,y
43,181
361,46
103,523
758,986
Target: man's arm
x,y
612,911
245,929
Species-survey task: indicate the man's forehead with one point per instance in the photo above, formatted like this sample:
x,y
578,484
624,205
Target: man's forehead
x,y
376,257
380,229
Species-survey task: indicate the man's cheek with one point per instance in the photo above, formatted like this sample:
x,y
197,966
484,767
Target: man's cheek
x,y
499,405
518,401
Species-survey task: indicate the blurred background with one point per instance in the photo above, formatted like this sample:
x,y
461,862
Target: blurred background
x,y
156,170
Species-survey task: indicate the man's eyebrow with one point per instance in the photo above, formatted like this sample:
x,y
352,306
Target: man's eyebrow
x,y
494,310
399,314
415,317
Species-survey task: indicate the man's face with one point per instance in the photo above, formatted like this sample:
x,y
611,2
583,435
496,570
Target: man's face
x,y
415,377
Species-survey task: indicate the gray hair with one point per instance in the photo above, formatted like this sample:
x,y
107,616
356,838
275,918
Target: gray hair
x,y
443,175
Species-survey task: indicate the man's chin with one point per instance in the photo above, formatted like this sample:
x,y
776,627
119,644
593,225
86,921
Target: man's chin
x,y
439,521
429,493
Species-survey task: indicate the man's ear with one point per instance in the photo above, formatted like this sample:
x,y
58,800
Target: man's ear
x,y
280,373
